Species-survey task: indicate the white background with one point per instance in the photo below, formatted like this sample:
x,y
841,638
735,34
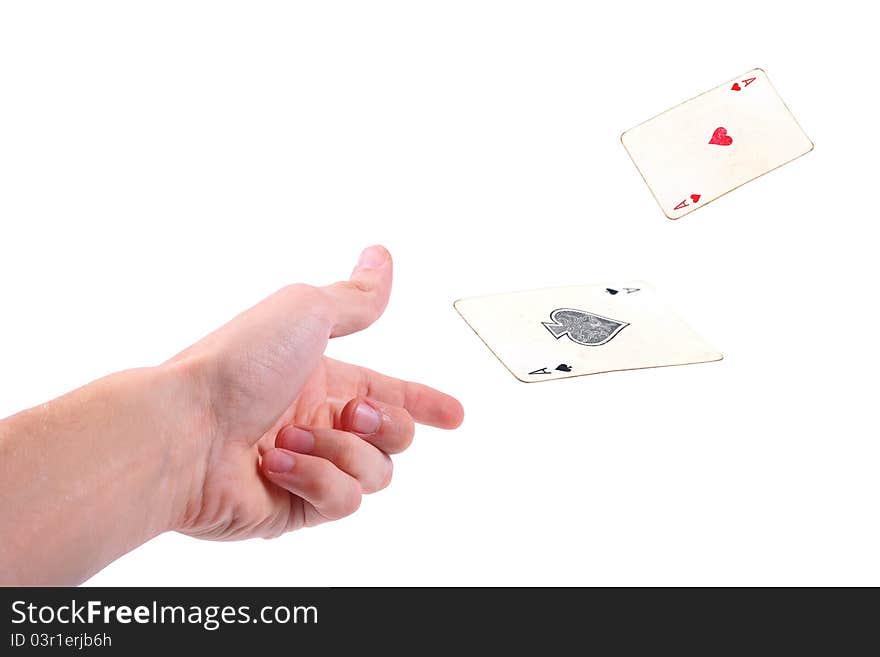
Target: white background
x,y
164,165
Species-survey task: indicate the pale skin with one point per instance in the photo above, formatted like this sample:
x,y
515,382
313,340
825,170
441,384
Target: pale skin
x,y
250,432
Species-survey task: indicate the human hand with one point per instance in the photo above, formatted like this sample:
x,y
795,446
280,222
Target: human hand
x,y
289,438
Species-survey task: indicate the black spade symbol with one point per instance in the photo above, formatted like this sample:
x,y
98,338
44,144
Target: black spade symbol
x,y
562,367
582,327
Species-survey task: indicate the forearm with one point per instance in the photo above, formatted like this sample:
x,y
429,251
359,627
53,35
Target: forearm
x,y
93,474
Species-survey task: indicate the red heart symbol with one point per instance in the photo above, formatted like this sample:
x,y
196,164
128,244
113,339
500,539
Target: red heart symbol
x,y
720,137
695,198
735,87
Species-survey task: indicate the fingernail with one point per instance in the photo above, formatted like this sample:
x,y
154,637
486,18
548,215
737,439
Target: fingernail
x,y
372,257
278,461
365,419
295,439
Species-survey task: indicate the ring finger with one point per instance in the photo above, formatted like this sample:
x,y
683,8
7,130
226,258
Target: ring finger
x,y
348,452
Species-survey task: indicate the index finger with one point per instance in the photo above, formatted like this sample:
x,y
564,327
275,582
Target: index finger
x,y
429,406
425,404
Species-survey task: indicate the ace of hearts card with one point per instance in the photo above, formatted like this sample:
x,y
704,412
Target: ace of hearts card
x,y
710,145
563,332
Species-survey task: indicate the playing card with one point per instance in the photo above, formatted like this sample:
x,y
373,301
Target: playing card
x,y
712,144
571,331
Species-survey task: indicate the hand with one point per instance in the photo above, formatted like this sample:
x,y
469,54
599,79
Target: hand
x,y
291,438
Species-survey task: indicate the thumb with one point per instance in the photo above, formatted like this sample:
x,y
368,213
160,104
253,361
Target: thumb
x,y
361,300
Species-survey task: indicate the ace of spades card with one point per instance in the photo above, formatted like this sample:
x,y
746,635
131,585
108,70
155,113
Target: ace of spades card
x,y
714,143
563,332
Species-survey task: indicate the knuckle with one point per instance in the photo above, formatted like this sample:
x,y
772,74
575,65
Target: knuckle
x,y
300,291
336,497
306,297
412,395
403,437
387,475
407,435
352,501
344,455
379,476
322,485
357,285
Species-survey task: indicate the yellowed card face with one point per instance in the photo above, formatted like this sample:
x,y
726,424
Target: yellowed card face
x,y
712,144
562,332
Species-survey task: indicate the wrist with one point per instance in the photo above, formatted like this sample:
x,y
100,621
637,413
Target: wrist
x,y
188,429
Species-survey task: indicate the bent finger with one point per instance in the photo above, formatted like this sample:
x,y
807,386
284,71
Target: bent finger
x,y
348,452
334,493
388,427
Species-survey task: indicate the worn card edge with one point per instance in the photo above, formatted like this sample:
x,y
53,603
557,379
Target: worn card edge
x,y
488,346
714,358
